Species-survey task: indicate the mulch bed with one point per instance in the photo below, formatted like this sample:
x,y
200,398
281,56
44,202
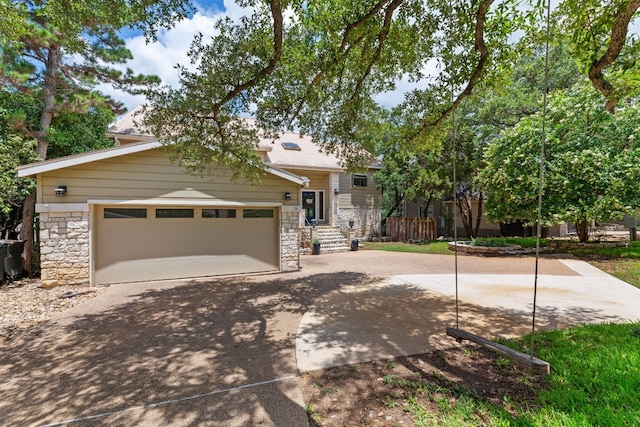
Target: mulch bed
x,y
363,394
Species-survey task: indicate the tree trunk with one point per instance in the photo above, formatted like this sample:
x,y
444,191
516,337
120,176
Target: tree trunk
x,y
582,228
479,217
48,104
426,206
26,232
395,207
466,214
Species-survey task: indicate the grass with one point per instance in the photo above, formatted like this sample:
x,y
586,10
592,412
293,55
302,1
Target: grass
x,y
595,378
623,263
595,381
596,375
438,247
442,248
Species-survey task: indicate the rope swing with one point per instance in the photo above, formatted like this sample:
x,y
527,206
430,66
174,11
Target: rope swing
x,y
535,365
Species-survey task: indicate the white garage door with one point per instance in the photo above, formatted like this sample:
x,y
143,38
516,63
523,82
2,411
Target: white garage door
x,y
152,243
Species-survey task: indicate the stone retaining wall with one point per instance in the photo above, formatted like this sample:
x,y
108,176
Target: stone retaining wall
x,y
584,245
64,248
464,247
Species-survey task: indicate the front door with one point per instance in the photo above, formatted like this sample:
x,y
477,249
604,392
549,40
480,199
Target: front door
x,y
309,205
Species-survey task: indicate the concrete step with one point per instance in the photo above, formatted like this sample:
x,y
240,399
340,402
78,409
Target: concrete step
x,y
331,239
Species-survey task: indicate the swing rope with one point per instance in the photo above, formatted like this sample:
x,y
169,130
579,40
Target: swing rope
x,y
535,364
455,210
543,139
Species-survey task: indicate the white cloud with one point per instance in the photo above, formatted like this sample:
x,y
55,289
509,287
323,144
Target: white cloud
x,y
161,57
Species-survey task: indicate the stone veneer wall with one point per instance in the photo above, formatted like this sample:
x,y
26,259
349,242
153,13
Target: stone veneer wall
x,y
290,240
366,221
64,248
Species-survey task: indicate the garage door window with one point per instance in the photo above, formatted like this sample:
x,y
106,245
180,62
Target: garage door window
x,y
120,213
174,213
257,213
218,213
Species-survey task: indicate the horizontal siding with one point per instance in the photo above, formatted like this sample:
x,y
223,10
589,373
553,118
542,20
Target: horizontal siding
x,y
359,197
151,175
317,180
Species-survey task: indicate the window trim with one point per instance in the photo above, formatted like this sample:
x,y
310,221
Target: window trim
x,y
360,177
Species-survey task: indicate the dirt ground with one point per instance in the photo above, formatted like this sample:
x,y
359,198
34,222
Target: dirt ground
x,y
369,394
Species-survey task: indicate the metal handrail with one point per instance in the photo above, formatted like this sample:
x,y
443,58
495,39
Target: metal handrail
x,y
304,232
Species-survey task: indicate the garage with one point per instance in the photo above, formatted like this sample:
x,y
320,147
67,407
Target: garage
x,y
140,243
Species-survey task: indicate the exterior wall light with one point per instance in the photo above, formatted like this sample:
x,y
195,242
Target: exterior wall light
x,y
60,191
336,191
287,196
351,223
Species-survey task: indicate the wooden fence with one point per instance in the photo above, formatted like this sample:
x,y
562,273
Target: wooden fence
x,y
404,229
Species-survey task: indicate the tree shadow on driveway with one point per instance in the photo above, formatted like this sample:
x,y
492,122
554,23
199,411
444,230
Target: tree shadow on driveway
x,y
139,358
220,351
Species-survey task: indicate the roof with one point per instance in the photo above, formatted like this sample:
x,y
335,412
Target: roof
x,y
128,124
310,155
122,150
82,158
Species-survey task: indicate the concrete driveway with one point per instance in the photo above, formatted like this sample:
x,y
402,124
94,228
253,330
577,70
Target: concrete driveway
x,y
228,351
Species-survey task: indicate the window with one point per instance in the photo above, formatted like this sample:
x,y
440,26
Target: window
x,y
257,213
359,180
174,213
125,212
291,146
218,213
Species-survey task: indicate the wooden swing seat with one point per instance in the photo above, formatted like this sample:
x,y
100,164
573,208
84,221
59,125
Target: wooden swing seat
x,y
536,366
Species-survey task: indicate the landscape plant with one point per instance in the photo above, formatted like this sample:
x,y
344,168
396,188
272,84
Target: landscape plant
x,y
591,163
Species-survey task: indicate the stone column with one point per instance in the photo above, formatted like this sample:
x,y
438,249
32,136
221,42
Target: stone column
x,y
290,238
64,248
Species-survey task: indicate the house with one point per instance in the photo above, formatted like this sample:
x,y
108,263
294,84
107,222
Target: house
x,y
127,213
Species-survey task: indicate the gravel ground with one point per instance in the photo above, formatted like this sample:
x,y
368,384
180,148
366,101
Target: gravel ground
x,y
24,304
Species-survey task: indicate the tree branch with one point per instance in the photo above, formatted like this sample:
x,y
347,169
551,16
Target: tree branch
x,y
481,47
276,13
382,36
343,50
616,43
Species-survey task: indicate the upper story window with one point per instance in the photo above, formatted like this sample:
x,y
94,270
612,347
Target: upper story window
x,y
291,146
359,180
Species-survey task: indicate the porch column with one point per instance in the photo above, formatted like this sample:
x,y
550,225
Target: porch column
x,y
334,183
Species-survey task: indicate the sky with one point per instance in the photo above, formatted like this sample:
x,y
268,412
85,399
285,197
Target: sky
x,y
162,57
